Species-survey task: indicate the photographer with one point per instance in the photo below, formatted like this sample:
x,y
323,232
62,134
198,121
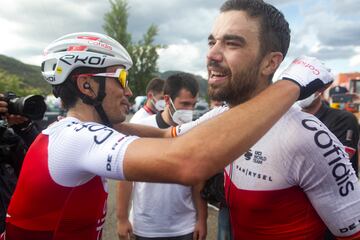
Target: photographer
x,y
16,134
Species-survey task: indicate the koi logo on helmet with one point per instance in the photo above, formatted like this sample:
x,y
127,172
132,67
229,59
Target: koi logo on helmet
x,y
50,79
71,59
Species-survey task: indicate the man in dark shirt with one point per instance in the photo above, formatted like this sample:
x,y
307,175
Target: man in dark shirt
x,y
343,124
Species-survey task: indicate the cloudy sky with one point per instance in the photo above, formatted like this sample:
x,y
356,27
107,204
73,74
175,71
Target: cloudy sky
x,y
327,29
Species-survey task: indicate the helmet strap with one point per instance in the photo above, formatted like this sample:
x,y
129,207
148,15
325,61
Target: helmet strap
x,y
97,102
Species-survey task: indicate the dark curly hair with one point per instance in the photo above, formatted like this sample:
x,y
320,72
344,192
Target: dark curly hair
x,y
274,29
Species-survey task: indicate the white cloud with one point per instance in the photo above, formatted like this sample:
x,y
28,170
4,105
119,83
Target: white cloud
x,y
355,60
325,28
182,57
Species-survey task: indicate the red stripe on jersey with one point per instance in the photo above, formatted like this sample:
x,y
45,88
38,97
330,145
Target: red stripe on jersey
x,y
274,214
41,207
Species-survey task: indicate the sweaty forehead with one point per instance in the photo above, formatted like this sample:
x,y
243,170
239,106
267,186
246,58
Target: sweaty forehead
x,y
235,23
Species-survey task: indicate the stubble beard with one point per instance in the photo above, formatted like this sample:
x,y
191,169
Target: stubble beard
x,y
239,88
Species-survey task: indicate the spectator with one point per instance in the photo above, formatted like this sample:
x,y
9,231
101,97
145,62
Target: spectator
x,y
16,135
154,100
159,210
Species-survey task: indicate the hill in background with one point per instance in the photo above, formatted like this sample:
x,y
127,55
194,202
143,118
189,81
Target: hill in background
x,y
30,75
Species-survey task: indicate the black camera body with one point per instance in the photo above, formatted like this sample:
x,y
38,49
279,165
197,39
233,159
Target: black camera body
x,y
31,106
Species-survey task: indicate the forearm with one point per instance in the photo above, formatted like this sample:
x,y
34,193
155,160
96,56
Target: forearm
x,y
209,147
123,200
142,130
200,204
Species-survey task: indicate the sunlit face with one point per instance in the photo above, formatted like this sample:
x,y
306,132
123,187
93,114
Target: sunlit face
x,y
116,103
233,57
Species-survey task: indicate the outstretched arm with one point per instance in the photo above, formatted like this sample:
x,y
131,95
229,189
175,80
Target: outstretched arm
x,y
142,130
212,145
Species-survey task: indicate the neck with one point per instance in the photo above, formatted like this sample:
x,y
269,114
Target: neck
x,y
167,118
262,86
149,107
84,113
314,107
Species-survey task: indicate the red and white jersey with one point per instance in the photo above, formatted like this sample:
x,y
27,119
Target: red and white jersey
x,y
142,113
62,191
295,180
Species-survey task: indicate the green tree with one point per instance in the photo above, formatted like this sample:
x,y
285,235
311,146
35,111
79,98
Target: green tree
x,y
143,53
10,82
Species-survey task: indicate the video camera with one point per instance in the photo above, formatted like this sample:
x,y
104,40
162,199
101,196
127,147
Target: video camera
x,y
31,106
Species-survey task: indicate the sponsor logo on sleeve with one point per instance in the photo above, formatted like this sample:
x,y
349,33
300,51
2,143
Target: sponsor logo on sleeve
x,y
333,154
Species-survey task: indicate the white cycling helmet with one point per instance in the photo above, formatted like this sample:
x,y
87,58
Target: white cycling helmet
x,y
82,49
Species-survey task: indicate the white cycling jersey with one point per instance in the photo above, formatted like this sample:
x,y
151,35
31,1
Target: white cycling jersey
x,y
61,192
295,180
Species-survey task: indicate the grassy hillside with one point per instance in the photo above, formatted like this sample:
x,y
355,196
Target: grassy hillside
x,y
30,75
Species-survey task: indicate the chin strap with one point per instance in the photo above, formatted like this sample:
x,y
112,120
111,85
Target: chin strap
x,y
97,102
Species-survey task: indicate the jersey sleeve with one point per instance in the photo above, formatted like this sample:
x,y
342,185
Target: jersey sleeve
x,y
184,128
106,159
320,166
81,151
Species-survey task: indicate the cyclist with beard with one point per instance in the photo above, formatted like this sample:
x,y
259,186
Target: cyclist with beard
x,y
62,190
296,179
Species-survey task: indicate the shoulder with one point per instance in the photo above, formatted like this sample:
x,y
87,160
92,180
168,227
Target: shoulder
x,y
71,130
141,113
304,133
148,120
213,112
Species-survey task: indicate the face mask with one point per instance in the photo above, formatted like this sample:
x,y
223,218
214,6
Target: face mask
x,y
158,104
308,101
181,116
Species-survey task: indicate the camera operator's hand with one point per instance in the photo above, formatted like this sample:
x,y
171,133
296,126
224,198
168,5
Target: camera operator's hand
x,y
3,105
11,118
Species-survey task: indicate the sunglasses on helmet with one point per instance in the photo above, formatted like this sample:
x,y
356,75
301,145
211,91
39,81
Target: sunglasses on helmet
x,y
120,74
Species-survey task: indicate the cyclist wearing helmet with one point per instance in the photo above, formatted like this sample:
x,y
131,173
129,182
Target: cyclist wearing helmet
x,y
62,190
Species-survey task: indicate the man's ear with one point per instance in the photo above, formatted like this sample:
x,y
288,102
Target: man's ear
x,y
84,84
270,63
167,99
149,95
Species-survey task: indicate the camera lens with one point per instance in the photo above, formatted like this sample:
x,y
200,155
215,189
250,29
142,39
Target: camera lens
x,y
32,106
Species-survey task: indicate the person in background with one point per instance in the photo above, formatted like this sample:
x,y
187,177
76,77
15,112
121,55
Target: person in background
x,y
154,100
343,124
16,135
160,210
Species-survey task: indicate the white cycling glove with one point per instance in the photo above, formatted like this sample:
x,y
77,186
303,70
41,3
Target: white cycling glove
x,y
309,73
